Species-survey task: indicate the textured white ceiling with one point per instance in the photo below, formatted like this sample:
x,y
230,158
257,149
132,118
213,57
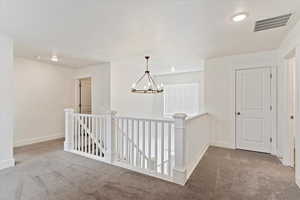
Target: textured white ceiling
x,y
101,30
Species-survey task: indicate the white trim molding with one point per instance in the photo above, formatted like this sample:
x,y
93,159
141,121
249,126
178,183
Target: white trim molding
x,y
284,162
7,163
38,139
223,144
196,116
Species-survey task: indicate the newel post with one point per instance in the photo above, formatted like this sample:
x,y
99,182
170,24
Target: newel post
x,y
179,171
69,123
111,137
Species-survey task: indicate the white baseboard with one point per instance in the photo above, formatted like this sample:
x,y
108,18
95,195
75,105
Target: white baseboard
x,y
298,182
7,163
284,162
223,145
38,139
194,165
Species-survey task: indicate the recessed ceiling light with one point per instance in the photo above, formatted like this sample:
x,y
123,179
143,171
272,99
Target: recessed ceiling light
x,y
54,58
239,17
38,57
173,69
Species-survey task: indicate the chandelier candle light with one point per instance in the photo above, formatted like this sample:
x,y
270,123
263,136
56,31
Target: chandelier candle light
x,y
146,84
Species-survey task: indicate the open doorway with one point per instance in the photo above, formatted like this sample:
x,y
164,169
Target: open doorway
x,y
84,96
291,108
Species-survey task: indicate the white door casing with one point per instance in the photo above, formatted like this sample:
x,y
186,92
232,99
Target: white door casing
x,y
254,109
291,109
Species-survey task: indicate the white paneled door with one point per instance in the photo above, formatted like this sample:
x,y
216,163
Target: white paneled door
x,y
253,109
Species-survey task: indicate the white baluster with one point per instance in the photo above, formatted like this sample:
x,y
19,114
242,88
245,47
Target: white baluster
x,y
85,133
122,139
162,156
69,130
90,134
127,141
138,159
81,133
149,163
100,136
179,171
118,137
105,132
78,132
132,142
94,140
75,132
102,131
156,146
110,137
143,145
169,148
97,137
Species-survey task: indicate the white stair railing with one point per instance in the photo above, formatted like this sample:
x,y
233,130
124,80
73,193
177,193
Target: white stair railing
x,y
152,146
87,134
147,144
135,147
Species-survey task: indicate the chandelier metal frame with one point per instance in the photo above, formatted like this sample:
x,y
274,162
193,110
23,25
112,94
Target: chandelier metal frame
x,y
151,87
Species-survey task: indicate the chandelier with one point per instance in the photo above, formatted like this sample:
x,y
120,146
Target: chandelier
x,y
146,83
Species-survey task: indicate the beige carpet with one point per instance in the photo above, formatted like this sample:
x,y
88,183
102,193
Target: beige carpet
x,y
45,172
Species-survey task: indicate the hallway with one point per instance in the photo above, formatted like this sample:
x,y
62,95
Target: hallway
x,y
45,171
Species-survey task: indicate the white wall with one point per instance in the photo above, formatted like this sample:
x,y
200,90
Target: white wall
x,y
100,75
297,122
7,104
125,72
219,91
198,130
42,93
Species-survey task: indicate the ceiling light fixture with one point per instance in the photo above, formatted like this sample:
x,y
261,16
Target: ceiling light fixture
x,y
239,17
146,84
54,58
173,69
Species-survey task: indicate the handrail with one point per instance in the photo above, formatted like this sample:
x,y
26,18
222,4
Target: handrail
x,y
90,115
166,120
196,116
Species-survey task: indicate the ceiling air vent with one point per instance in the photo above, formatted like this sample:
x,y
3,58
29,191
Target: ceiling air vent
x,y
271,23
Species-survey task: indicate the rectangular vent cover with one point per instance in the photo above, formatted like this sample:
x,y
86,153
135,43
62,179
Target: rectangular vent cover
x,y
271,23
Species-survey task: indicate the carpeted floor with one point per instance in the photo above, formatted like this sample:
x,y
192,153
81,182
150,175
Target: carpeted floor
x,y
45,172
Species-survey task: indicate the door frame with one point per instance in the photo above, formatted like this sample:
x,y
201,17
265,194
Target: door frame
x,y
77,88
274,120
297,119
289,160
